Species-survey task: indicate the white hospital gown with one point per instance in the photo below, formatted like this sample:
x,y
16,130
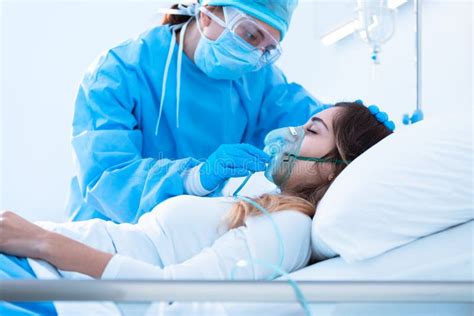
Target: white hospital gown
x,y
186,237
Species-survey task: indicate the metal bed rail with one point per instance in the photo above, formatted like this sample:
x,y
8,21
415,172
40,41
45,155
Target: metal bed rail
x,y
237,291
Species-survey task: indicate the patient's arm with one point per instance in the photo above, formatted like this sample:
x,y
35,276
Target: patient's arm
x,y
256,240
22,238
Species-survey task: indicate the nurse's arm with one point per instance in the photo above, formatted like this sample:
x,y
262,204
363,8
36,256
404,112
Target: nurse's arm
x,y
256,240
114,176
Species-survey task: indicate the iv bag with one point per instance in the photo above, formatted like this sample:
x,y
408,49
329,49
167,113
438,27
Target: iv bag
x,y
375,24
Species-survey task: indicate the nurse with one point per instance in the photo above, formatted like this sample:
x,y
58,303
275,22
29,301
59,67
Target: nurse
x,y
152,113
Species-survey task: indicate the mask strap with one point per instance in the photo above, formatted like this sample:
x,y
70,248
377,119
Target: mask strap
x,y
178,71
322,160
189,10
165,78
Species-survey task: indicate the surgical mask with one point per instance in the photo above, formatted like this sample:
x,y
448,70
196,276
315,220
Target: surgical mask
x,y
283,145
240,25
243,47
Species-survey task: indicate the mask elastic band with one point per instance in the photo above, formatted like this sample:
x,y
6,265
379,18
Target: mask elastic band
x,y
189,10
165,80
321,160
178,70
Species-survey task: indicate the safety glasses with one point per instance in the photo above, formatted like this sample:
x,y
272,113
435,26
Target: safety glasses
x,y
249,33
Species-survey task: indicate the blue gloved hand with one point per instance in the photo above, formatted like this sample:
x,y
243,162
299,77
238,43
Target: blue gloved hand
x,y
228,161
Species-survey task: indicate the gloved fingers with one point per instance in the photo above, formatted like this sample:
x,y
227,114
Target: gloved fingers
x,y
246,156
256,152
238,150
248,163
237,156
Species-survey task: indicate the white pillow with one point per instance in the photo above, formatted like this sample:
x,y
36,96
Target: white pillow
x,y
416,182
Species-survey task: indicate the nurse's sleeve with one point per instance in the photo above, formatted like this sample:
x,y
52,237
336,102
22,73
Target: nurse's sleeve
x,y
255,241
284,104
113,176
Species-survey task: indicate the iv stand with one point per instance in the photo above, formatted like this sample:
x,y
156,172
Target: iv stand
x,y
418,114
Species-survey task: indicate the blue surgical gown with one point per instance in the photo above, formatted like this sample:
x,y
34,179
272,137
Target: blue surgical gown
x,y
122,168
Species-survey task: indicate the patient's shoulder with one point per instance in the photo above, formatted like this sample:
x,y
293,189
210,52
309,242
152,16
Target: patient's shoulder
x,y
191,203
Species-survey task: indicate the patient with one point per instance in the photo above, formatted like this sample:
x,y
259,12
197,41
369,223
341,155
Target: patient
x,y
190,237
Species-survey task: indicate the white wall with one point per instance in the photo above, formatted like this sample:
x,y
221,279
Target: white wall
x,y
344,70
448,56
1,107
47,45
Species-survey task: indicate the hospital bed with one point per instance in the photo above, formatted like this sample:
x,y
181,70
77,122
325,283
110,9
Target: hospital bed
x,y
432,276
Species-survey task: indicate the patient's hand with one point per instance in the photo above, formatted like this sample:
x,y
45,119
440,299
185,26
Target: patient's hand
x,y
20,237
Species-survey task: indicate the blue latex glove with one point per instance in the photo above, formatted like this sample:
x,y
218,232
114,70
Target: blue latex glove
x,y
228,161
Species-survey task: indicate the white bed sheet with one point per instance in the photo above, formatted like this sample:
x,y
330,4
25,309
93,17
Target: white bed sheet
x,y
445,256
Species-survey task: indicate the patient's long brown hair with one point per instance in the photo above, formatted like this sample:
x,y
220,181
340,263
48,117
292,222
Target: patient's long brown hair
x,y
355,131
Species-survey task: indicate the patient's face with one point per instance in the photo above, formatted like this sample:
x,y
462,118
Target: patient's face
x,y
319,140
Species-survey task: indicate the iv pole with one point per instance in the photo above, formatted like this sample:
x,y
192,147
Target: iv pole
x,y
418,114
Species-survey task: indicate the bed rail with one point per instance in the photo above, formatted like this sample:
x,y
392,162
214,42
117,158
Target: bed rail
x,y
236,291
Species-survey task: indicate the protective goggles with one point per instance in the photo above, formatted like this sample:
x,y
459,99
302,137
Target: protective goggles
x,y
248,32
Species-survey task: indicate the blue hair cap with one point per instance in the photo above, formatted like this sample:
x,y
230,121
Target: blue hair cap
x,y
276,13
